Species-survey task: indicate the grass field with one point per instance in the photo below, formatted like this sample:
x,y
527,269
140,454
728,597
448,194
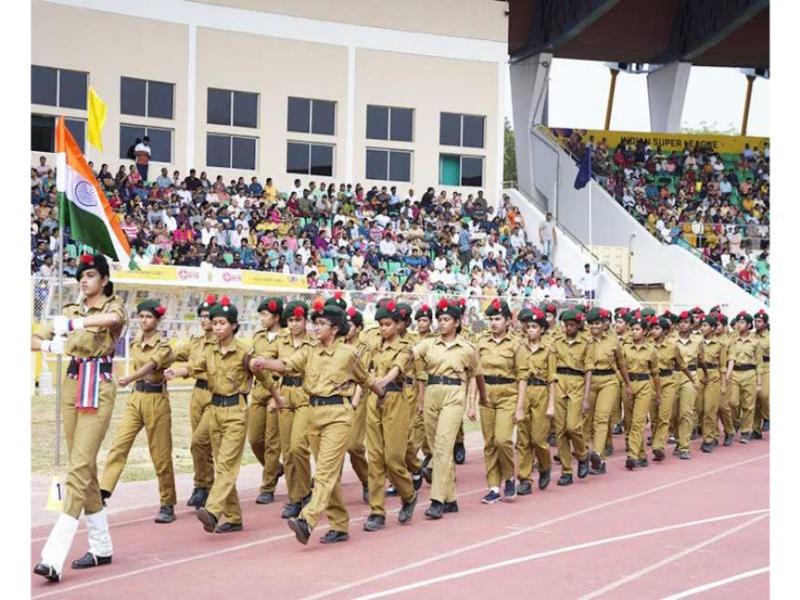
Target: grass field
x,y
139,467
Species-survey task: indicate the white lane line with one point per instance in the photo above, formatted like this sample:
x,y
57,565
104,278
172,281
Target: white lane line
x,y
181,511
670,559
500,538
715,584
554,552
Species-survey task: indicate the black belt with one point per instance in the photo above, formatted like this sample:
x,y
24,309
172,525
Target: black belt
x,y
692,367
106,366
441,380
408,380
639,376
289,381
711,366
765,359
393,387
325,400
201,384
149,388
602,372
536,381
496,380
220,400
665,372
744,367
568,371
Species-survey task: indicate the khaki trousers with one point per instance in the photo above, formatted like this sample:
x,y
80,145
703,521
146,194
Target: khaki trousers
x,y
662,414
200,446
328,434
263,433
355,443
685,400
711,401
533,431
387,440
599,422
293,429
640,405
743,398
762,402
152,413
227,426
569,419
497,426
444,416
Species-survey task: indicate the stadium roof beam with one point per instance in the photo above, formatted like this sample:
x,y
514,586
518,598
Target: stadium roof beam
x,y
723,33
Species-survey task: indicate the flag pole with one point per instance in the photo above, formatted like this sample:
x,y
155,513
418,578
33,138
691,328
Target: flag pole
x,y
60,179
590,214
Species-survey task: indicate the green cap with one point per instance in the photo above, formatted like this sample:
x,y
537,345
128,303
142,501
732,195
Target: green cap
x,y
498,307
224,308
153,306
272,304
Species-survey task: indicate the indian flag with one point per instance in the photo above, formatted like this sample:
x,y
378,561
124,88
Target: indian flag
x,y
82,204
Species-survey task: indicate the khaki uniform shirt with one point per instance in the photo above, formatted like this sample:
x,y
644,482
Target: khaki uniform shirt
x,y
92,342
539,363
574,354
669,357
691,350
715,353
457,359
155,350
396,353
332,371
606,349
641,358
192,350
746,351
371,338
499,357
763,338
227,372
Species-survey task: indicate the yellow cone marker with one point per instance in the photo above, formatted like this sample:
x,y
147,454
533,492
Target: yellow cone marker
x,y
55,499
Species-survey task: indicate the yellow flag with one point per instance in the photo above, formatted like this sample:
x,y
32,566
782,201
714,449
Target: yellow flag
x,y
97,119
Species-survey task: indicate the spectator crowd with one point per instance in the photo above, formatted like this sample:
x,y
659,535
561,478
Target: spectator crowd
x,y
339,236
716,205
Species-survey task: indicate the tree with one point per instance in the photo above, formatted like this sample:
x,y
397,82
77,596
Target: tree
x,y
712,128
510,153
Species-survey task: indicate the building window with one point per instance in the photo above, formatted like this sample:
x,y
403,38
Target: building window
x,y
309,159
43,132
311,116
227,107
388,123
461,130
58,87
388,165
460,170
160,141
146,98
231,152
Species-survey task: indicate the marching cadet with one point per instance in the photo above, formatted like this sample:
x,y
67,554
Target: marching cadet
x,y
223,364
358,432
642,364
715,360
449,362
87,332
761,419
553,332
725,411
574,364
148,408
687,388
745,364
389,419
604,391
535,406
331,372
504,374
263,419
200,445
623,336
670,360
416,439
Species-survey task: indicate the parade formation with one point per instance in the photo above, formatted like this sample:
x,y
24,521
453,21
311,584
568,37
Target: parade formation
x,y
315,380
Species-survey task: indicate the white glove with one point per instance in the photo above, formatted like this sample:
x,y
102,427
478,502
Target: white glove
x,y
54,346
60,325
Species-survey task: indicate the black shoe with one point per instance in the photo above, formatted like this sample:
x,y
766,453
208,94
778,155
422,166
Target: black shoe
x,y
391,491
104,495
565,479
198,497
551,440
744,438
695,434
707,447
208,520
281,472
630,464
364,494
228,528
583,468
544,479
47,572
684,455
510,490
649,441
756,435
416,480
728,439
609,449
265,498
407,510
165,515
435,510
301,530
658,455
765,426
524,488
459,453
557,458
672,440
89,560
374,523
595,460
426,462
333,537
292,510
450,507
642,462
601,470
617,429
427,474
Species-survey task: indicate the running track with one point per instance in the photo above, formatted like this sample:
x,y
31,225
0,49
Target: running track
x,y
677,529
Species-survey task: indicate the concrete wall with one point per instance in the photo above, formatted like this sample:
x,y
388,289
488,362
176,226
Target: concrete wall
x,y
606,223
